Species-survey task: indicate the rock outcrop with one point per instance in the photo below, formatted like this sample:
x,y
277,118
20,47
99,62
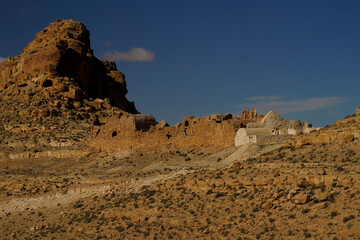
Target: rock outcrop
x,y
272,120
60,64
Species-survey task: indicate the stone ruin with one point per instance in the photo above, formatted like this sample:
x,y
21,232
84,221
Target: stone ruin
x,y
271,129
133,131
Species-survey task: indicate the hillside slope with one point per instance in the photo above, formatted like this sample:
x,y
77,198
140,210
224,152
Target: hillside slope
x,y
308,191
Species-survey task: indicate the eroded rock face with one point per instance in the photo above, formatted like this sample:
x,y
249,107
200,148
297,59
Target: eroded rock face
x,y
60,64
274,121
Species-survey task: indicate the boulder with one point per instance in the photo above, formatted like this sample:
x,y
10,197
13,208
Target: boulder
x,y
349,138
301,198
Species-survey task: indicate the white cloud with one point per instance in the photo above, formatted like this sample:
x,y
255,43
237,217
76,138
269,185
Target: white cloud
x,y
133,55
265,104
263,98
2,59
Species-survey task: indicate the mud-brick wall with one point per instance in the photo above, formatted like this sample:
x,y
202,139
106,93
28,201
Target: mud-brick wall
x,y
122,134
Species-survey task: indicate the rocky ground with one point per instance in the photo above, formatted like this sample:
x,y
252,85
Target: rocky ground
x,y
293,192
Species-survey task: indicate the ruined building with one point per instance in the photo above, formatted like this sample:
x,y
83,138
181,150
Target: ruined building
x,y
132,131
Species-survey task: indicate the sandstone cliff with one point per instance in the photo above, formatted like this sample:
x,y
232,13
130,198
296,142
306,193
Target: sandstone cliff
x,y
60,64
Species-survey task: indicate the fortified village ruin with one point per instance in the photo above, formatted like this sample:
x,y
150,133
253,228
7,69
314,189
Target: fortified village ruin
x,y
142,131
57,75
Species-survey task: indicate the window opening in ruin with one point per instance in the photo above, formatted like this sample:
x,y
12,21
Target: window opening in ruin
x,y
186,123
186,132
168,136
47,83
194,122
114,133
180,128
96,122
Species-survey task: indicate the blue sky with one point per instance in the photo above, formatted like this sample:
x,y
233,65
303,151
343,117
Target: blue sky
x,y
300,58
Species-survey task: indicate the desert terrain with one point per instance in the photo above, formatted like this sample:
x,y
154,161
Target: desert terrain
x,y
54,184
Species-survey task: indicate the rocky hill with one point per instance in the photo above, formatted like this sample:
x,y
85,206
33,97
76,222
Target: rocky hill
x,y
59,65
52,92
